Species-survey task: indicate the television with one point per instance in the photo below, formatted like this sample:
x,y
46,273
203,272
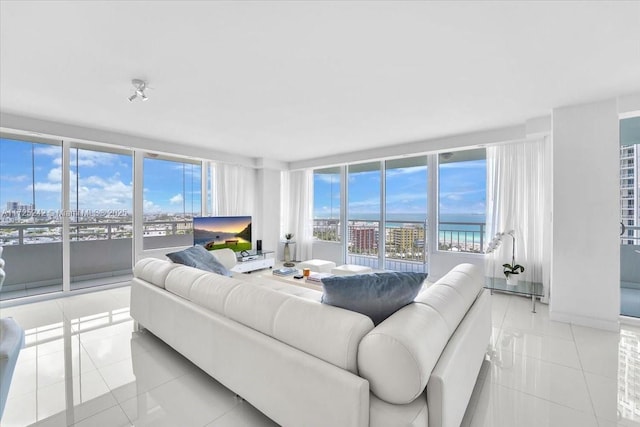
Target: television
x,y
218,232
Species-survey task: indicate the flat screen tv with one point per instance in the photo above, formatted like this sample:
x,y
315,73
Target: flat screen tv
x,y
218,232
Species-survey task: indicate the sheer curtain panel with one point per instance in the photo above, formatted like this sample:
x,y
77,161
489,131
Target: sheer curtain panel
x,y
518,199
233,190
297,208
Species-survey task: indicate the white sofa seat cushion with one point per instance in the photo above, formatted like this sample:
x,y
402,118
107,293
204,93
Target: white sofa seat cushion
x,y
317,265
350,269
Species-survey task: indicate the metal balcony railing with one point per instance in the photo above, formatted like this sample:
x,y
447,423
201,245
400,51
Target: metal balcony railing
x,y
404,240
98,250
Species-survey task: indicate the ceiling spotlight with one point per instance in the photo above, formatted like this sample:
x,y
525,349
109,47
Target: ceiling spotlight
x,y
140,86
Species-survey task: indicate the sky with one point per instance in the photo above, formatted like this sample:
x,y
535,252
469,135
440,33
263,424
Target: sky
x,y
100,180
104,181
462,191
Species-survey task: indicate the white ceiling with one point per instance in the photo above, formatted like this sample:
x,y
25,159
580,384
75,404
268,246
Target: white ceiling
x,y
300,80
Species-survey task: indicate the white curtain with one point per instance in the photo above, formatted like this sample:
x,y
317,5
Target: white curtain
x,y
297,207
233,189
518,199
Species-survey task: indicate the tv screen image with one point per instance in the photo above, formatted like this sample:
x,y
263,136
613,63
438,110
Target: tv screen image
x,y
218,232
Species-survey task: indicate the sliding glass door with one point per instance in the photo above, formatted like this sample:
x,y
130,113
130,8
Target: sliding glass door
x,y
364,220
31,221
100,216
406,214
630,217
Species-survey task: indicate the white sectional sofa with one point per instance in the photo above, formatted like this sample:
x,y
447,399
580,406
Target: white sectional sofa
x,y
304,363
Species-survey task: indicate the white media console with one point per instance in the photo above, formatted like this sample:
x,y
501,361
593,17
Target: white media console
x,y
254,261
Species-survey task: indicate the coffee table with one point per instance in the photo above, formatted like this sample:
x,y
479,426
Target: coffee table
x,y
266,274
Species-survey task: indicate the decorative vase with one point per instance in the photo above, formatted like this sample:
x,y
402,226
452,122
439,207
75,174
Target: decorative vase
x,y
512,280
287,255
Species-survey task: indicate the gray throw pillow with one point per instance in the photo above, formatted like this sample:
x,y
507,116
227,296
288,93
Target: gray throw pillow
x,y
377,295
199,257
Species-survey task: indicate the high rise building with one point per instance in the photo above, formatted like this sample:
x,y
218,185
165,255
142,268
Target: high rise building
x,y
630,192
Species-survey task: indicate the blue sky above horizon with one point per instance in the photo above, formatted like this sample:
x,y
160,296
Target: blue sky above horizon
x,y
99,180
462,191
104,181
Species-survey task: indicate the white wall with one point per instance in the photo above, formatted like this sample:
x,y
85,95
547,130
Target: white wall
x,y
585,264
267,221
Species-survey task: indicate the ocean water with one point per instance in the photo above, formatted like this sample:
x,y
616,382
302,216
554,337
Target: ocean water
x,y
393,219
463,225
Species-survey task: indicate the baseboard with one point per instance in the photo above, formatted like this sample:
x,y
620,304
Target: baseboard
x,y
591,322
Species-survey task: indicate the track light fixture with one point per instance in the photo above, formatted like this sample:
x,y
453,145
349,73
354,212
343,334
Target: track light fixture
x,y
140,86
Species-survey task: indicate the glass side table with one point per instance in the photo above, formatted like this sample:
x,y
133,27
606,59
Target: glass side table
x,y
532,289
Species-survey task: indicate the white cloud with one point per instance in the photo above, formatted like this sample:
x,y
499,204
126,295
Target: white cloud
x,y
328,178
150,207
48,150
17,178
176,200
46,186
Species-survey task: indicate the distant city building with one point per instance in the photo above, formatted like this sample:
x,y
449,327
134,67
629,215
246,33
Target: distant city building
x,y
363,238
630,191
18,209
405,238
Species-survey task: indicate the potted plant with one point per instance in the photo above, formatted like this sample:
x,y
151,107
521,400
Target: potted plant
x,y
288,236
511,271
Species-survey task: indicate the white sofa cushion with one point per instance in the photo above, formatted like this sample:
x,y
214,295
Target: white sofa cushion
x,y
329,333
180,280
398,356
226,257
446,301
153,270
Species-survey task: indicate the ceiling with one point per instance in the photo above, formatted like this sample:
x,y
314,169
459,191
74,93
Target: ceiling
x,y
301,80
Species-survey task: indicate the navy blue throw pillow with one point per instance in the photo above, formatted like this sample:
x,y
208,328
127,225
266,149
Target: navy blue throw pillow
x,y
377,295
199,257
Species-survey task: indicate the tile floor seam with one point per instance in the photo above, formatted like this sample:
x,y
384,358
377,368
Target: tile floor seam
x,y
543,398
545,361
76,422
593,407
235,406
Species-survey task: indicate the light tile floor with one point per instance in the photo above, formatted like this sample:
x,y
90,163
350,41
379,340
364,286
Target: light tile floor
x,y
83,365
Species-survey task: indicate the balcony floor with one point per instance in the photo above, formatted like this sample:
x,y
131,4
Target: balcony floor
x,y
7,294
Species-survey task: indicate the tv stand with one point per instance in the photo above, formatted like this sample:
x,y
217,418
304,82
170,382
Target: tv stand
x,y
256,260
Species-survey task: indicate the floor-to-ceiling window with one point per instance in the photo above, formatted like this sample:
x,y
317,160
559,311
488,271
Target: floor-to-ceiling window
x,y
388,205
100,216
462,179
31,222
406,214
364,216
630,216
172,197
326,207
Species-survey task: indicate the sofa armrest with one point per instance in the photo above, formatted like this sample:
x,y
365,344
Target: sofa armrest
x,y
226,257
454,376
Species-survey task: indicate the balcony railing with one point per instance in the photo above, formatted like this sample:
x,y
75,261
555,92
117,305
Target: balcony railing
x,y
462,236
25,233
98,250
405,240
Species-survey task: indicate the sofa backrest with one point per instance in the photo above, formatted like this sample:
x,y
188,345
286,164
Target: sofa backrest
x,y
398,355
329,333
